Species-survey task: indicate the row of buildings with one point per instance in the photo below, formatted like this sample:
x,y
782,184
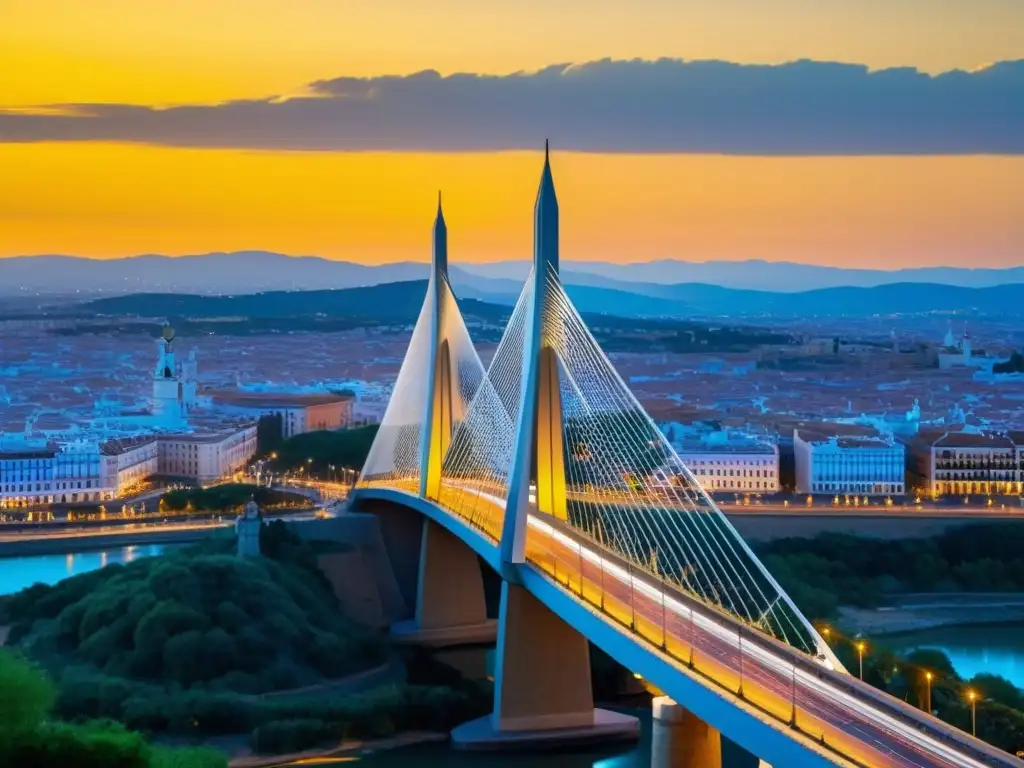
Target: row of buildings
x,y
37,471
844,459
186,433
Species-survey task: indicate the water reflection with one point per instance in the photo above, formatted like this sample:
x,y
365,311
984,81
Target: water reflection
x,y
16,573
997,650
636,755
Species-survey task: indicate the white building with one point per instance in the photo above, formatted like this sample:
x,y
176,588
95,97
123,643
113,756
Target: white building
x,y
861,465
37,472
206,456
962,463
725,460
128,463
960,354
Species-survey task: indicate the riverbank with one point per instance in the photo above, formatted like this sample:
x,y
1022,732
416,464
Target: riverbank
x,y
64,542
346,749
759,525
910,613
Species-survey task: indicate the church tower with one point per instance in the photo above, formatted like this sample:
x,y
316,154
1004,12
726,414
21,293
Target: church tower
x,y
189,376
166,379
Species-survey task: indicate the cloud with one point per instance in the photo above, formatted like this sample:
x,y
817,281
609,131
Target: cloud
x,y
668,105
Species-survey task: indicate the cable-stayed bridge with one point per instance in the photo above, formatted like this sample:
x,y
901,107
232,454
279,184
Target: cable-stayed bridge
x,y
544,464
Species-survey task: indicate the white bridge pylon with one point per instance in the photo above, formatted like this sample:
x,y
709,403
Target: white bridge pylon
x,y
550,429
440,374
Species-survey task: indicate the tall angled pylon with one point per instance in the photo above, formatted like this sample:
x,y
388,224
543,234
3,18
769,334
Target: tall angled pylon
x,y
439,377
437,420
539,453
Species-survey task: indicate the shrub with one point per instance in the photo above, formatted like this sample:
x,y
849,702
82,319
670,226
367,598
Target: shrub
x,y
279,736
26,694
101,744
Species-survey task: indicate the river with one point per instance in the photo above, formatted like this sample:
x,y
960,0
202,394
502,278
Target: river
x,y
16,573
997,649
636,755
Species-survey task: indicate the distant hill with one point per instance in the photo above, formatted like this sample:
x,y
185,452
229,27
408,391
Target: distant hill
x,y
697,300
751,274
260,271
399,302
387,303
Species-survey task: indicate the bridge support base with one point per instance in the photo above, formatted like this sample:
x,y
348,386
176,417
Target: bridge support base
x,y
450,606
680,740
542,691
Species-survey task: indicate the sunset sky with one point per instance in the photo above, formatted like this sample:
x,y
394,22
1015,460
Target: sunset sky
x,y
302,126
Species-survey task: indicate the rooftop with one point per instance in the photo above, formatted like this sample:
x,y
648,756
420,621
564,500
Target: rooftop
x,y
750,445
844,438
276,400
961,439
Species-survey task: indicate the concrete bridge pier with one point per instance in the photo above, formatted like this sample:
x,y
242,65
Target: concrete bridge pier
x,y
681,740
542,690
450,606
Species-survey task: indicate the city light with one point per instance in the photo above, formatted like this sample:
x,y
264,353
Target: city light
x,y
973,698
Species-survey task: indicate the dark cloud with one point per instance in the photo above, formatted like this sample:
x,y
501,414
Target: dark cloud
x,y
801,108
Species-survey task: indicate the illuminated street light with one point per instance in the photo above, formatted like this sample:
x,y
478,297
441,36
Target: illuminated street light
x,y
928,692
973,698
860,657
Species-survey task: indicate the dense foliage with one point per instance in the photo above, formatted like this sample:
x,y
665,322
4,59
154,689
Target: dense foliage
x,y
191,642
822,573
198,617
30,737
230,497
157,641
344,448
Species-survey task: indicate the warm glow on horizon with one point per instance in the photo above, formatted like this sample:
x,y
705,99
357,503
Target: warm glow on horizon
x,y
119,199
108,200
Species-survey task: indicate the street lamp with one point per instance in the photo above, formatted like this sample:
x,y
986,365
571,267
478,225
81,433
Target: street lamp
x,y
860,657
928,692
973,697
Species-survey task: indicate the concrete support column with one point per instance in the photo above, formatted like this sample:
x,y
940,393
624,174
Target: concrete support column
x,y
542,668
450,590
542,690
450,605
681,740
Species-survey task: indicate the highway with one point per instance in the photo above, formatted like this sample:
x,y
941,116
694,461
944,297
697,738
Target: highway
x,y
857,723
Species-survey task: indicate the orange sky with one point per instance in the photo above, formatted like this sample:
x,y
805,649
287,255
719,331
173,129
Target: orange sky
x,y
112,200
103,200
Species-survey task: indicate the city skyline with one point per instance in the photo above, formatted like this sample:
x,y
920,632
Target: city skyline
x,y
313,130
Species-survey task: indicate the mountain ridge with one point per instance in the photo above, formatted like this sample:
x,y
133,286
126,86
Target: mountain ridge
x,y
398,301
254,271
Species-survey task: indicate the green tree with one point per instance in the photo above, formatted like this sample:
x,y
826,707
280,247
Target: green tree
x,y
26,694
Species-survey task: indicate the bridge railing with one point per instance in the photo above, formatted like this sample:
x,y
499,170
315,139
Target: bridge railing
x,y
782,683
